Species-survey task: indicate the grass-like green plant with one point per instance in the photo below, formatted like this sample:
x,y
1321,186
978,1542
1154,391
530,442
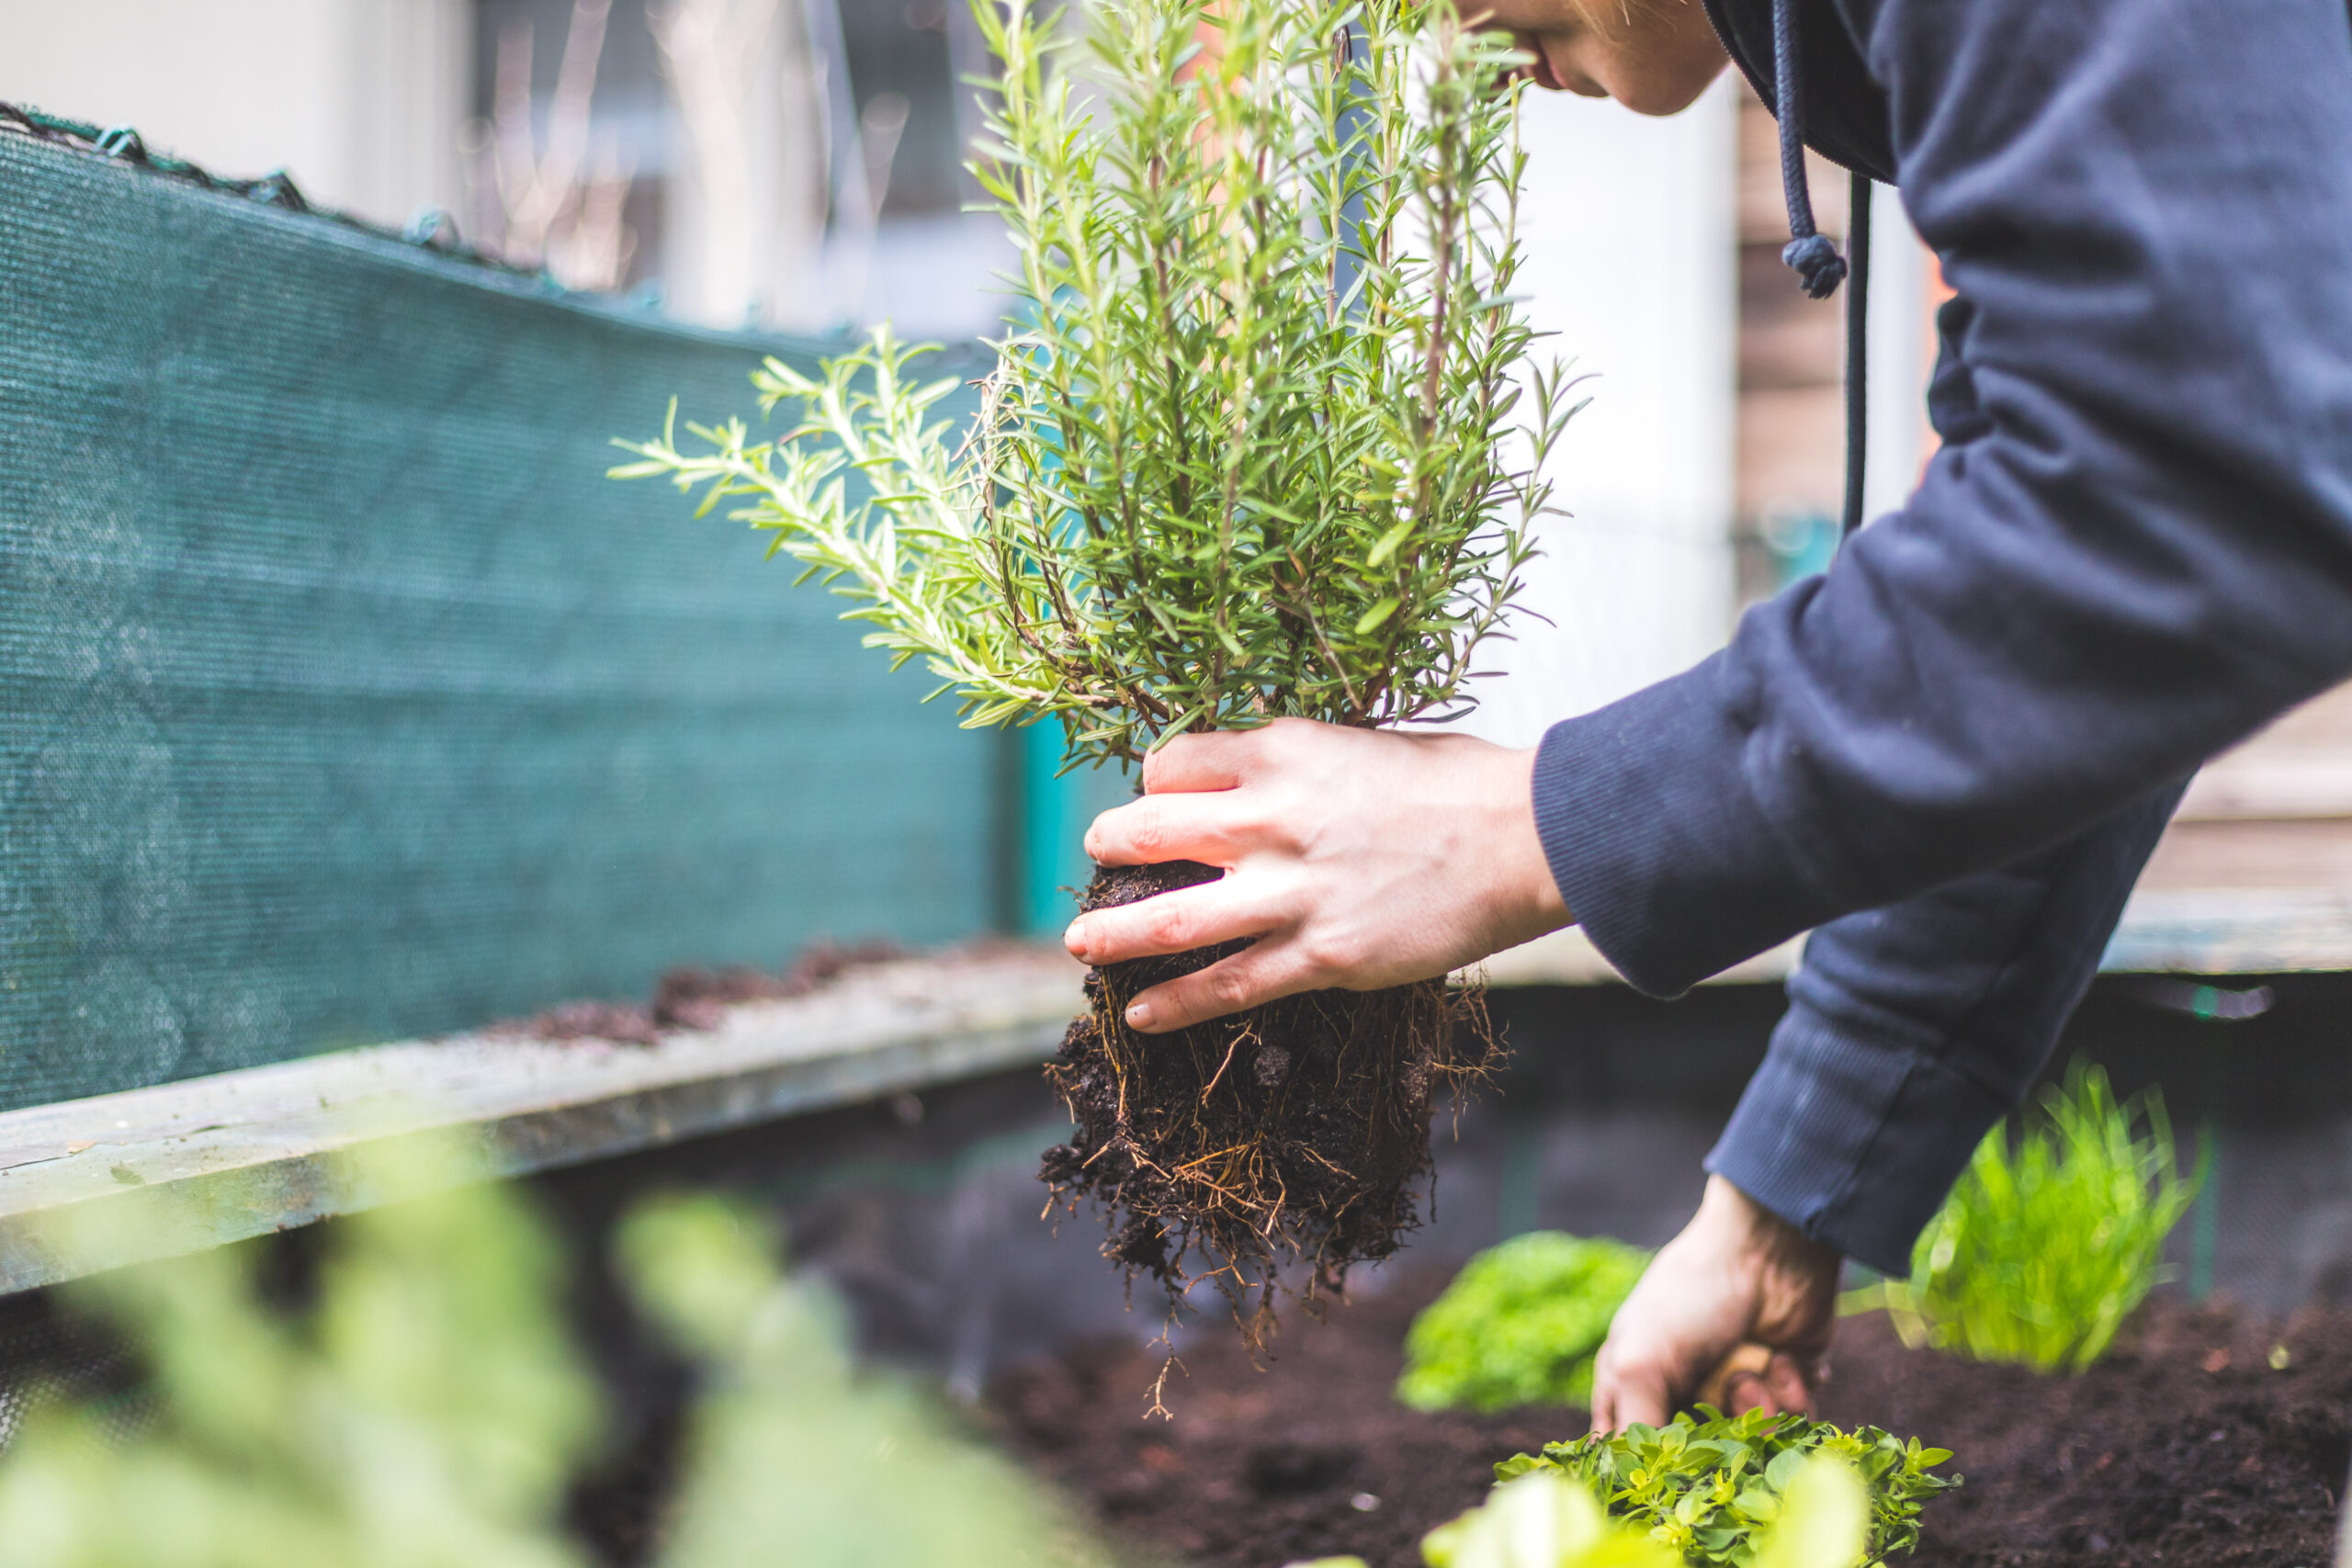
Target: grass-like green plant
x,y
2050,1238
1712,1486
430,1409
1518,1324
1253,446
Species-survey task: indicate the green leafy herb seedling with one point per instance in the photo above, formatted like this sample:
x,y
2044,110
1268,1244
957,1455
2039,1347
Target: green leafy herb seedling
x,y
2047,1242
1518,1324
1262,439
1711,1486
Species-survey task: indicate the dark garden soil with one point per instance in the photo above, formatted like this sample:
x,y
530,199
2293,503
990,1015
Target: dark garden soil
x,y
1297,1130
2184,1449
692,998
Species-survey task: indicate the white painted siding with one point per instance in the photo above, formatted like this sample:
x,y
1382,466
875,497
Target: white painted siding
x,y
360,100
1631,253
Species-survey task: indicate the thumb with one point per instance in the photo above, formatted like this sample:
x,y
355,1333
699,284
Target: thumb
x,y
1790,1385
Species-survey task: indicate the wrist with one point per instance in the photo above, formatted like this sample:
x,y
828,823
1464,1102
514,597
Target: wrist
x,y
1760,1239
1531,894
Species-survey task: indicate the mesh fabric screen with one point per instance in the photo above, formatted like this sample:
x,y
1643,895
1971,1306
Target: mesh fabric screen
x,y
342,698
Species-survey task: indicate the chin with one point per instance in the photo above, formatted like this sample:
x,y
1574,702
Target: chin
x,y
1661,95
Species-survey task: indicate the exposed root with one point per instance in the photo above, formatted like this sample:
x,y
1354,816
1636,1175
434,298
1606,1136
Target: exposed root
x,y
1294,1134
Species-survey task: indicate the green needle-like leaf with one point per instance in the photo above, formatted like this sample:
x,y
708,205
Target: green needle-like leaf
x,y
1243,452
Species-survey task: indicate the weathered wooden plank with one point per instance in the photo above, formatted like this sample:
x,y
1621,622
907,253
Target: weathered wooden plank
x,y
2261,930
2197,931
2253,856
2299,767
240,1153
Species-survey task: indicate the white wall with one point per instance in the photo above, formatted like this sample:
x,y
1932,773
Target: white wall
x,y
1902,353
1631,253
360,100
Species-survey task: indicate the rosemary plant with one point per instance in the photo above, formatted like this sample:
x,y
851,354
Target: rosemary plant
x,y
1261,440
1255,443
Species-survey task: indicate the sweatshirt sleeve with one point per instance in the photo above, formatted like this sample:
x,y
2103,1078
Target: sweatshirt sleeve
x,y
1913,1029
2134,548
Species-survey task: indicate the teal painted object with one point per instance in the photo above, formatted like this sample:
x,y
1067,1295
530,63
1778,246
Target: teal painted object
x,y
1055,869
342,698
2205,1213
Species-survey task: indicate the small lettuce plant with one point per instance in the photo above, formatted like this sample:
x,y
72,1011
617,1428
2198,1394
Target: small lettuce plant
x,y
1712,1486
2051,1237
1518,1324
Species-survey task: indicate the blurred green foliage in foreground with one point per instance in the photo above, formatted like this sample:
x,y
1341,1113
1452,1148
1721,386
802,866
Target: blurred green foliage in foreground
x,y
1540,1517
1518,1324
429,1409
426,1406
2044,1248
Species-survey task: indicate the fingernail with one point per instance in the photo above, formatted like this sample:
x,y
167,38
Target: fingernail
x,y
1139,1015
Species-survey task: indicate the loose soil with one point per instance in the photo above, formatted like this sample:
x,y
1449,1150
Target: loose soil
x,y
1298,1130
2184,1449
694,998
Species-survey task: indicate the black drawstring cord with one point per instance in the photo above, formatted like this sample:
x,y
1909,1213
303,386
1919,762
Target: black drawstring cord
x,y
1808,250
1857,337
1812,255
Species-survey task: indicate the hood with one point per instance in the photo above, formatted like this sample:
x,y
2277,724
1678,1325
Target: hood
x,y
1846,116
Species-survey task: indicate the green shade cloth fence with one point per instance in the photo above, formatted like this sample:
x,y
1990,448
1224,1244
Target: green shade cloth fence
x,y
342,698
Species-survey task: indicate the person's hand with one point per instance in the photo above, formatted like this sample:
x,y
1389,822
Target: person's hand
x,y
1357,858
1738,1278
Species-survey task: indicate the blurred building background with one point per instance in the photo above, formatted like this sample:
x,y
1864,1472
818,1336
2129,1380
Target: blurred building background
x,y
796,165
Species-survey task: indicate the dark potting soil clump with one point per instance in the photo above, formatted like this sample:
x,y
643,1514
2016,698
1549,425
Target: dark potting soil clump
x,y
2184,1449
1294,1131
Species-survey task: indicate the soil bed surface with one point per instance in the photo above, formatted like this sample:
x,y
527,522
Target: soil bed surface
x,y
2185,1447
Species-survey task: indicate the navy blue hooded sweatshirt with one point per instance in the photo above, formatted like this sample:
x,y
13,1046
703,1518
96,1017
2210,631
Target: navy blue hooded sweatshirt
x,y
1950,756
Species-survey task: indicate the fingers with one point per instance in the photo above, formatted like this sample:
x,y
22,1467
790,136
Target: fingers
x,y
1177,921
1627,1393
1788,1385
1738,1376
1779,1390
1226,758
1210,828
1215,759
1755,1377
1260,974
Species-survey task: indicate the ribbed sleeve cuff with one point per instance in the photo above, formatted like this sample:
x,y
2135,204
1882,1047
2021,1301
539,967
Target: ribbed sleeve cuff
x,y
1656,842
1855,1140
